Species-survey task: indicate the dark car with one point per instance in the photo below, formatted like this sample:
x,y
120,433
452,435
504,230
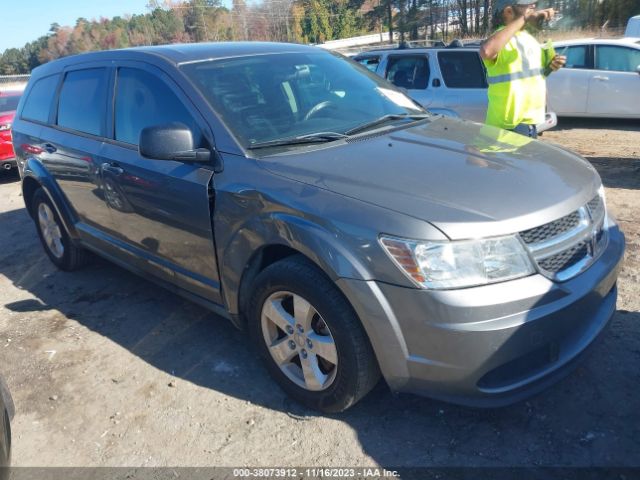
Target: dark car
x,y
8,104
316,206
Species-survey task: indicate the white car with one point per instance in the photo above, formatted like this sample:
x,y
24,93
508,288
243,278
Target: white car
x,y
601,79
448,81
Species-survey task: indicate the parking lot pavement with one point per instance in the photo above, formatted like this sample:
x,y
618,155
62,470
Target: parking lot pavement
x,y
108,369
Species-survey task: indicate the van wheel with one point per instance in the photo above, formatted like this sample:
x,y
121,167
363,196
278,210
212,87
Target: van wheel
x,y
310,338
55,239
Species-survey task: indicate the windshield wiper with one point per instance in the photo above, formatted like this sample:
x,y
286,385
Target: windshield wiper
x,y
386,118
318,137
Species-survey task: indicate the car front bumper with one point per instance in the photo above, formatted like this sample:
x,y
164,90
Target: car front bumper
x,y
491,345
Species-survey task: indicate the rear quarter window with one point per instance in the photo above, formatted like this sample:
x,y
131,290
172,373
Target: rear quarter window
x,y
37,105
462,70
370,62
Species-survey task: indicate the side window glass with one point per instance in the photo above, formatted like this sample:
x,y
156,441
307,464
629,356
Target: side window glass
x,y
618,59
38,104
576,56
462,70
411,72
144,100
83,100
370,62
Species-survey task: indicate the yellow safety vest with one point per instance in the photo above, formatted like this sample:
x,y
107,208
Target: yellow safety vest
x,y
517,90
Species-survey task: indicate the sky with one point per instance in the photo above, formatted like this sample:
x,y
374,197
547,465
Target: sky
x,y
22,21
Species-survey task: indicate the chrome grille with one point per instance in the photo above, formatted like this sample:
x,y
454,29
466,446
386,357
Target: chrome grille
x,y
596,207
551,229
568,258
567,246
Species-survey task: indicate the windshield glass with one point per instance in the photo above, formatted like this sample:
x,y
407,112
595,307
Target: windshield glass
x,y
270,97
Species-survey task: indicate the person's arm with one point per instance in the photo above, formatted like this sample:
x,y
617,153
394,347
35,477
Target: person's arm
x,y
496,42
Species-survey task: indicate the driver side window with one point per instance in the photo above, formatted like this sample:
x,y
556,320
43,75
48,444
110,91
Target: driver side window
x,y
144,100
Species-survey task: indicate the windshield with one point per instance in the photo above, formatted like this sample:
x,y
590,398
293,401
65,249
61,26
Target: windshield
x,y
270,97
9,103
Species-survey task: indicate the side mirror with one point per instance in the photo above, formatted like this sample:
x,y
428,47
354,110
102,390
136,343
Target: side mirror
x,y
638,69
173,141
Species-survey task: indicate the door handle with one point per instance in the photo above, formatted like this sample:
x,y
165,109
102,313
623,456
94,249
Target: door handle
x,y
601,78
112,168
49,148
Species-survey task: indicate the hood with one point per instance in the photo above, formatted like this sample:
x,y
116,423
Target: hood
x,y
467,179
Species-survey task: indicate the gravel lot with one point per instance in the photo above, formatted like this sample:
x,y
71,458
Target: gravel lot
x,y
107,369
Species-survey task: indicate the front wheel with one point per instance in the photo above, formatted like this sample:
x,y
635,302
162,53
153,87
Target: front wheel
x,y
310,338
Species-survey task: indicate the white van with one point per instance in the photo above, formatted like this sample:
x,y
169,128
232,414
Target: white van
x,y
633,27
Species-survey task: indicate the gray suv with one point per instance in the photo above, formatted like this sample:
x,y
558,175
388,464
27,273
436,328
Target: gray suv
x,y
311,202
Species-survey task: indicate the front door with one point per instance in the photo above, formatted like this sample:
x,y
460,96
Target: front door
x,y
615,85
161,210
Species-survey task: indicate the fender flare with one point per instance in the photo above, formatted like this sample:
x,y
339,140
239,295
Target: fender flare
x,y
34,170
284,230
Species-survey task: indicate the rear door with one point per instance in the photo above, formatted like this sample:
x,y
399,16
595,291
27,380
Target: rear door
x,y
161,210
464,88
72,143
568,88
614,89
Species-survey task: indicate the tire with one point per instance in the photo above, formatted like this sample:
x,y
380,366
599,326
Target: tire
x,y
54,237
328,364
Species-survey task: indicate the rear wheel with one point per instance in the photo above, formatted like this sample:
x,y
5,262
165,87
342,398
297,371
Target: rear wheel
x,y
55,239
312,342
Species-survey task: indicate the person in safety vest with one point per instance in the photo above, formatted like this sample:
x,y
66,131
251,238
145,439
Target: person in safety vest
x,y
516,67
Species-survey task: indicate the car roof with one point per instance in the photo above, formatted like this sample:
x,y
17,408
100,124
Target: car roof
x,y
627,41
409,51
180,53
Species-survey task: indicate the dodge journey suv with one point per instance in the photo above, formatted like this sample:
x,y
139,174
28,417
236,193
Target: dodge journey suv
x,y
311,202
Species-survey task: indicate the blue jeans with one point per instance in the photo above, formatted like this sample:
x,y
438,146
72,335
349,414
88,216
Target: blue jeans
x,y
526,130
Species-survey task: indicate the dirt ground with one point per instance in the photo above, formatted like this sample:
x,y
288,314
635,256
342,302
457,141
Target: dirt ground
x,y
106,369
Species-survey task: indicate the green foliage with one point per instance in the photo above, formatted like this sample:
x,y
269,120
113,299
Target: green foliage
x,y
330,19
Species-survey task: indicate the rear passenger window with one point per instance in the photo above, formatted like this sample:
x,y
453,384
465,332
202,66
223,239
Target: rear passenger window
x,y
408,71
576,56
83,100
38,104
144,100
462,70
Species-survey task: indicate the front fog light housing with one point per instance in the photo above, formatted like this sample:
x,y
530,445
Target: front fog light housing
x,y
459,264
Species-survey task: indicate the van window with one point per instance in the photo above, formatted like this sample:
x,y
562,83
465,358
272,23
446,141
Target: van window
x,y
462,70
370,62
83,100
144,100
408,71
38,104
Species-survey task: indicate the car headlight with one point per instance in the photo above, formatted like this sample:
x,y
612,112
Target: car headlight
x,y
5,126
459,264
